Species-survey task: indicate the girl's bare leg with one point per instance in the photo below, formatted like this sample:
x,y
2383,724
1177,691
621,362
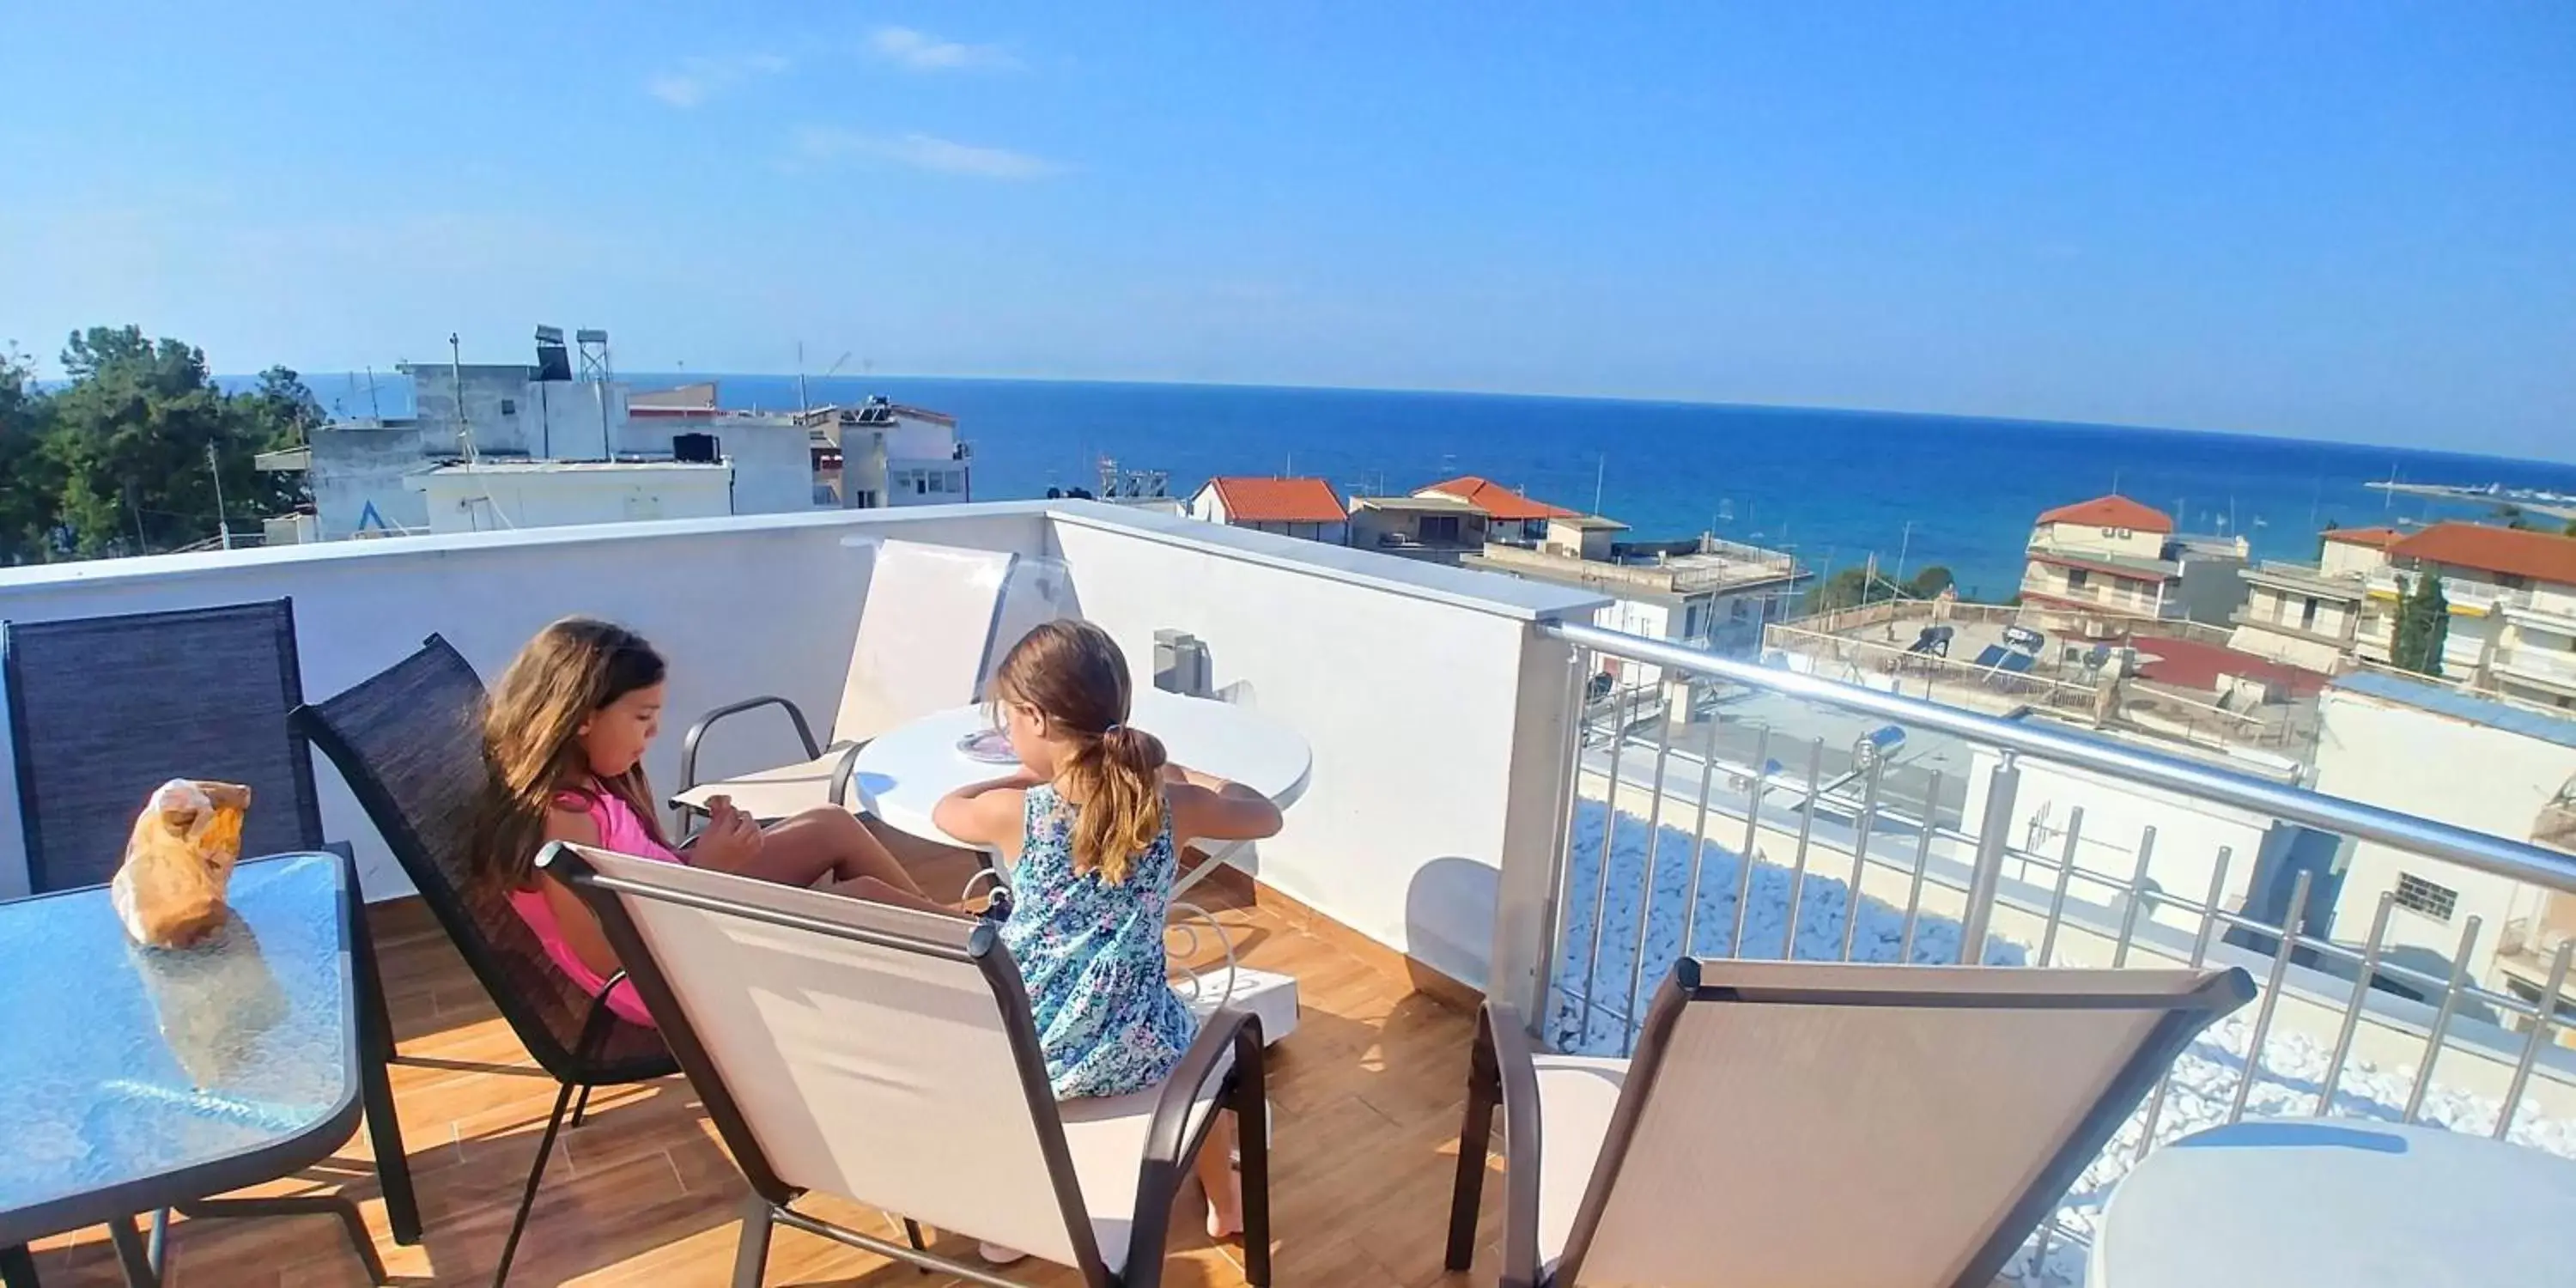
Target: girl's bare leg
x,y
823,843
1217,1176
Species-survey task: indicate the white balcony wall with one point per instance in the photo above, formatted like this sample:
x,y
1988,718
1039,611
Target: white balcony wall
x,y
1438,718
739,606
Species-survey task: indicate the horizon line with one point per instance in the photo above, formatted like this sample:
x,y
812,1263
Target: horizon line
x,y
687,377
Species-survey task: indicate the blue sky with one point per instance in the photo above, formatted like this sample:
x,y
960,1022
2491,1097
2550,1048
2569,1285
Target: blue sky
x,y
2351,221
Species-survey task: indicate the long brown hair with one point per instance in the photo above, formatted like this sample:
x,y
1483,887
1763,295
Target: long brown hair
x,y
1073,673
532,741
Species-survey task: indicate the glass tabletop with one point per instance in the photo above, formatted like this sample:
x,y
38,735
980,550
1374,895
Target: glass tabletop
x,y
121,1063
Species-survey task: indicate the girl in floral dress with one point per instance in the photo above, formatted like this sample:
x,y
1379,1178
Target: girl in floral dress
x,y
1088,829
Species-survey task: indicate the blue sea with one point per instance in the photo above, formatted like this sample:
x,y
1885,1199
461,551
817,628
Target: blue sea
x,y
1835,486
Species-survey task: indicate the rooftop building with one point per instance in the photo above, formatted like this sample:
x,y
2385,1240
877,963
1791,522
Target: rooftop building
x,y
1302,507
1518,519
2177,681
1436,529
882,454
2099,567
2511,598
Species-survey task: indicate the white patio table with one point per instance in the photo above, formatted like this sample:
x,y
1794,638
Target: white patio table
x,y
902,775
2334,1201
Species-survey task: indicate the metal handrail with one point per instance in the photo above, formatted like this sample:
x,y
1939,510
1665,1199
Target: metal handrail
x,y
2513,860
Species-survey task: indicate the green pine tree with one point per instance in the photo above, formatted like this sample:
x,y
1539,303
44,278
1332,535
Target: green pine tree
x,y
2423,624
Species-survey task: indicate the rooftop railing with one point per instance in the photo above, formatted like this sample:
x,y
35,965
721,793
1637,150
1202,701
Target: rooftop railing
x,y
2229,867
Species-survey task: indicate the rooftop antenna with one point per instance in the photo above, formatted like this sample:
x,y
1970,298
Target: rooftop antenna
x,y
374,408
595,368
456,385
223,529
802,405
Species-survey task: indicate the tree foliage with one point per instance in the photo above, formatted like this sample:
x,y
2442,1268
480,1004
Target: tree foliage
x,y
125,457
26,477
2423,624
1853,587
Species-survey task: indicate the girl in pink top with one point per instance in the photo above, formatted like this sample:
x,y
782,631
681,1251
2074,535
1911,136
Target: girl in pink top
x,y
564,735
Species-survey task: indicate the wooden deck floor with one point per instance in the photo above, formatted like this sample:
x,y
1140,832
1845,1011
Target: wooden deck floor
x,y
1368,1093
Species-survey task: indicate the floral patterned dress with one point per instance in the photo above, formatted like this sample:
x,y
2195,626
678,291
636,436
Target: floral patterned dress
x,y
1091,954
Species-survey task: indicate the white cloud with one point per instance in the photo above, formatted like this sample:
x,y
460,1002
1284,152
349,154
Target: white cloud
x,y
696,80
922,51
925,152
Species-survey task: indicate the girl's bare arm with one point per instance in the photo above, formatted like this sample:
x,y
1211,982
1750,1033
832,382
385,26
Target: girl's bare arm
x,y
985,813
580,928
1208,808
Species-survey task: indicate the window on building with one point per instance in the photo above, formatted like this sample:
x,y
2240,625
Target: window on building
x,y
509,406
2308,614
1439,527
2076,577
1690,622
2430,898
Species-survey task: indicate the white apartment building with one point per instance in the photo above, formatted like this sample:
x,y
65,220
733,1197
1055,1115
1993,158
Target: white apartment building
x,y
2512,596
2432,750
368,477
1705,593
2316,616
2103,566
882,453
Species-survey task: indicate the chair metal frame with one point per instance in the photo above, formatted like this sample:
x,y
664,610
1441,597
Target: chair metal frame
x,y
579,1068
1171,1143
1503,1074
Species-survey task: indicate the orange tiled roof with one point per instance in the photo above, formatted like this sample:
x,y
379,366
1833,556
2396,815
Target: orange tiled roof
x,y
2540,556
2376,538
1252,500
2114,511
1495,499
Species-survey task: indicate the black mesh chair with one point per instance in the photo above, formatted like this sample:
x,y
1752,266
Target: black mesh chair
x,y
104,709
409,742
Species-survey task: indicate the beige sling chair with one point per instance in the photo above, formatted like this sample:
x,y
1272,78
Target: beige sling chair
x,y
1818,1124
887,1057
934,623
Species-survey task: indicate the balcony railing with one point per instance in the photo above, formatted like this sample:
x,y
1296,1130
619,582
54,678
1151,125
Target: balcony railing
x,y
2554,616
2245,616
2482,596
2547,665
1846,866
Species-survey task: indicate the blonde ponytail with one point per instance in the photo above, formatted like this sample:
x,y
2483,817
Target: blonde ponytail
x,y
1115,785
